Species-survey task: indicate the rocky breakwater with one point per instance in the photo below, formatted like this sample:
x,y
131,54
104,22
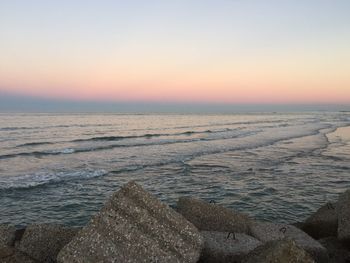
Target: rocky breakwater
x,y
134,226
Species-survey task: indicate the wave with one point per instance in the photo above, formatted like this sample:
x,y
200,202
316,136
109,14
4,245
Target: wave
x,y
147,135
40,179
13,128
164,142
119,138
110,125
38,153
54,126
112,146
25,182
34,144
228,124
63,151
143,144
29,181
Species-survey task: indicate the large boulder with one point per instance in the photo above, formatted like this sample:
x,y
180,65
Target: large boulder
x,y
212,217
343,209
222,247
281,251
338,252
42,242
134,226
11,255
323,223
7,235
266,232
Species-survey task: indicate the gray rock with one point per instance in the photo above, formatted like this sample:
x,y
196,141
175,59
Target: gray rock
x,y
222,247
6,251
212,217
11,255
343,210
337,251
7,235
134,226
323,223
281,251
42,242
266,232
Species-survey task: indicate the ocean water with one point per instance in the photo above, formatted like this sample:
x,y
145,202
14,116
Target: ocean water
x,y
61,168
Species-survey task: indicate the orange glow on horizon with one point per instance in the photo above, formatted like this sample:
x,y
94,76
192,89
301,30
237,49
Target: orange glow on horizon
x,y
258,78
169,57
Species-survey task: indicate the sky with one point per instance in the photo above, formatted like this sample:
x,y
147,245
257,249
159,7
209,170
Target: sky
x,y
185,51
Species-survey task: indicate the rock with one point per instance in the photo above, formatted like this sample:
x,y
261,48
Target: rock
x,y
343,210
337,251
299,225
266,232
7,235
18,235
134,226
212,217
323,223
221,247
281,251
11,255
42,242
6,251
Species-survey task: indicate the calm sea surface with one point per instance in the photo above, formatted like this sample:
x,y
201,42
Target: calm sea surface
x,y
60,168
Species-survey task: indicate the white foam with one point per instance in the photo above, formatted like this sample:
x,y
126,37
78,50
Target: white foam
x,y
63,151
68,150
42,178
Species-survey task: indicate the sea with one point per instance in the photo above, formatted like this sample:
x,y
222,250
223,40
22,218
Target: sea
x,y
281,167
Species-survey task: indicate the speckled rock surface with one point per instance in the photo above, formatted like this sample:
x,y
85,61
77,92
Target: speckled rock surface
x,y
134,226
7,235
343,209
222,247
42,242
11,255
281,251
6,251
212,217
323,223
266,232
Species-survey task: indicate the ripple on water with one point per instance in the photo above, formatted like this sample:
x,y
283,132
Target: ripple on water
x,y
278,167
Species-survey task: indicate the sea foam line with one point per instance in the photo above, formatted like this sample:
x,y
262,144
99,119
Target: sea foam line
x,y
42,178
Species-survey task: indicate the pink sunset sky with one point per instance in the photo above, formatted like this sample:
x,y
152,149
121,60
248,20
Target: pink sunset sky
x,y
188,51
